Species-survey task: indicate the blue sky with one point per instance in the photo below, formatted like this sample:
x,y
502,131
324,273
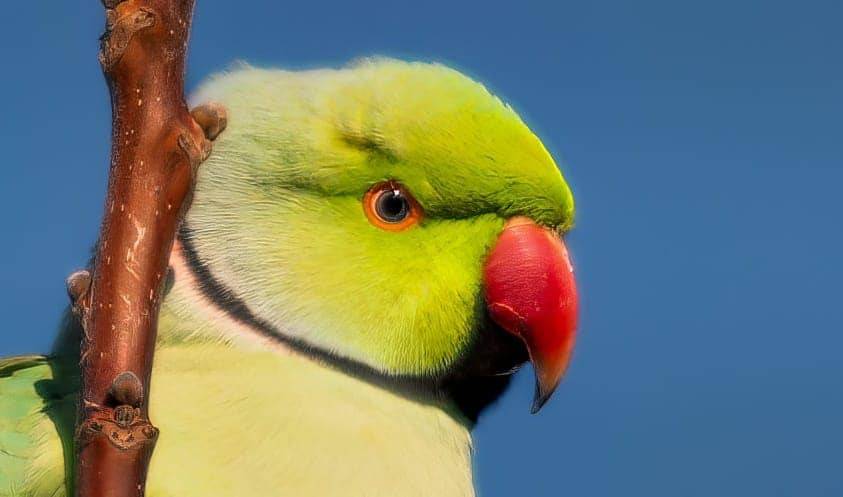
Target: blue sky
x,y
703,142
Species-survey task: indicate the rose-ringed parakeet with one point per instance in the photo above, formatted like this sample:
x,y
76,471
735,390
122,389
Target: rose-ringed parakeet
x,y
370,253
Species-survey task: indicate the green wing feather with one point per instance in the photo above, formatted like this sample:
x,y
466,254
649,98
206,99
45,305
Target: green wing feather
x,y
37,409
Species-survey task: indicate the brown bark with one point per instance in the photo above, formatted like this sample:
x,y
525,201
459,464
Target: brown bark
x,y
156,148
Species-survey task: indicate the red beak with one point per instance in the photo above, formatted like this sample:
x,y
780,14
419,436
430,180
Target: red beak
x,y
531,293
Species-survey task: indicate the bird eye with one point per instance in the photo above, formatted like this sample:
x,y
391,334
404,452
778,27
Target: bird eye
x,y
390,206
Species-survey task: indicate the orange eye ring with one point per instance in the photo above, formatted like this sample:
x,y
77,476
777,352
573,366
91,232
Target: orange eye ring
x,y
389,206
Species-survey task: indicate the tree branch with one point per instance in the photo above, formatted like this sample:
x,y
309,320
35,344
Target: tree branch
x,y
156,148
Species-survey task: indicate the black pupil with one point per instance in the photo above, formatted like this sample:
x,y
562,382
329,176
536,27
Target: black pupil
x,y
392,206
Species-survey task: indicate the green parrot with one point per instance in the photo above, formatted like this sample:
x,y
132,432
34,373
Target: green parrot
x,y
370,253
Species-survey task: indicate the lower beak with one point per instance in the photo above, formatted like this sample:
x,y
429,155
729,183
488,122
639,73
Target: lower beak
x,y
531,293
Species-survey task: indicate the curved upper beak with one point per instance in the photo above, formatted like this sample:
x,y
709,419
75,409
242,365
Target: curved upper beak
x,y
531,293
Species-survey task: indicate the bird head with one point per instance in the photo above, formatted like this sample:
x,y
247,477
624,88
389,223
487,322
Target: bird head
x,y
393,216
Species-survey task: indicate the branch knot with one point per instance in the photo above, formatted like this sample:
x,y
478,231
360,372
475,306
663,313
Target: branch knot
x,y
119,30
124,426
77,285
127,389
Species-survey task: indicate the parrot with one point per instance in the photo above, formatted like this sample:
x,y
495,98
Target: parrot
x,y
370,253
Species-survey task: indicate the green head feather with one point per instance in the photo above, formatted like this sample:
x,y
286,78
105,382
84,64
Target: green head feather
x,y
278,218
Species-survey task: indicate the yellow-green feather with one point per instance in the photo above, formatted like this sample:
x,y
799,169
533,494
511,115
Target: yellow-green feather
x,y
238,420
277,219
277,214
37,411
